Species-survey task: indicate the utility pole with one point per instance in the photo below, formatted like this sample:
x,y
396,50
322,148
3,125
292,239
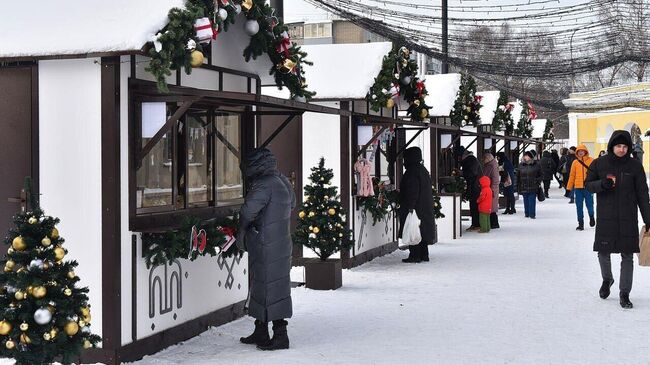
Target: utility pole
x,y
445,39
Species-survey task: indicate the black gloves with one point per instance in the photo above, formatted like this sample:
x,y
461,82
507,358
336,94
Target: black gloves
x,y
607,184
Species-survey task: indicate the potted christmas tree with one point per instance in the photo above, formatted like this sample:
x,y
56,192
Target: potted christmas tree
x,y
321,227
43,315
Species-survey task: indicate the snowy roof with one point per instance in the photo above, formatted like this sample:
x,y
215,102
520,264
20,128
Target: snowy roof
x,y
538,127
344,71
442,90
616,97
489,105
73,27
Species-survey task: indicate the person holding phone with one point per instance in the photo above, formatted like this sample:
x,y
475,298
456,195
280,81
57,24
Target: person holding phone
x,y
620,184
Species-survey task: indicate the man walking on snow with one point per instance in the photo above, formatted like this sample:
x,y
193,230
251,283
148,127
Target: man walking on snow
x,y
620,184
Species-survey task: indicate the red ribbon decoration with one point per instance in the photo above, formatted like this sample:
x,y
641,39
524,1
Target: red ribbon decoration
x,y
420,86
198,240
230,233
283,46
531,111
204,27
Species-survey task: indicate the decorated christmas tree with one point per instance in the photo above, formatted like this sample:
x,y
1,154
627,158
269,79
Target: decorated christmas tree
x,y
321,218
548,131
467,104
43,314
524,126
503,115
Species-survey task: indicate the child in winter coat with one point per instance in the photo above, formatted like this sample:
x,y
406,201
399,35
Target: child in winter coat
x,y
484,204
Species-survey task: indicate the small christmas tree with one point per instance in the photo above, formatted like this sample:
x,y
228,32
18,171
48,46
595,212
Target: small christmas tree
x,y
503,115
524,126
43,315
467,104
548,131
321,223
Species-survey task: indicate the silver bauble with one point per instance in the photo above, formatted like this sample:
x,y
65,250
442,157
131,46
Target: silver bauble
x,y
301,99
237,8
42,316
406,80
36,264
251,27
223,14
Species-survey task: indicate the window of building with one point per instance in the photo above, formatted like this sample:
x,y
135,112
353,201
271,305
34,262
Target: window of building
x,y
320,30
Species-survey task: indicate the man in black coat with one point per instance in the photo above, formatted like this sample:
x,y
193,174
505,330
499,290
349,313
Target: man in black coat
x,y
620,184
416,194
548,170
264,232
556,159
570,157
472,171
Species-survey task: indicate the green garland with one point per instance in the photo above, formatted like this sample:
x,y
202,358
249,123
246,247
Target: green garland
x,y
398,76
524,126
437,207
467,104
503,115
380,204
164,247
171,50
459,185
548,131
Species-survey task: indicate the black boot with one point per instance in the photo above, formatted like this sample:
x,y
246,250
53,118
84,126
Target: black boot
x,y
604,289
280,339
507,211
581,226
571,201
592,221
625,301
494,221
259,336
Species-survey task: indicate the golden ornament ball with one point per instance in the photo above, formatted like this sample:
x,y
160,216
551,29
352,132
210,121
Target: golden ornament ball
x,y
87,344
416,102
46,242
247,5
301,215
286,66
59,253
424,113
51,309
24,326
67,292
71,328
46,266
331,211
5,328
39,292
87,318
10,345
33,220
311,214
72,275
10,264
24,339
316,229
82,323
30,290
53,333
18,244
7,269
54,234
10,251
19,295
390,103
85,311
47,336
196,58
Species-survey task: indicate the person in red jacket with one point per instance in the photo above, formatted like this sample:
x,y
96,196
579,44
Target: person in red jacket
x,y
484,204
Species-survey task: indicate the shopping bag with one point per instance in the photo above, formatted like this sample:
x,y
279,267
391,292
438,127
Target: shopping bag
x,y
540,194
411,232
644,246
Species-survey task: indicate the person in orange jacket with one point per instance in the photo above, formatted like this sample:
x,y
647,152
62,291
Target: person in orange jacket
x,y
576,183
484,204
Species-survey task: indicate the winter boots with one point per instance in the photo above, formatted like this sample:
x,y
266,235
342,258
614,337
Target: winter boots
x,y
280,340
494,221
259,336
592,221
581,226
625,301
604,289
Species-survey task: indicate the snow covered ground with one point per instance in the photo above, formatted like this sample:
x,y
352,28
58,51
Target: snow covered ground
x,y
524,294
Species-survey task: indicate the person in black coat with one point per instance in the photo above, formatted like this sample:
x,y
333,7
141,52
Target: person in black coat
x,y
529,176
556,159
508,191
566,171
548,170
264,232
416,194
620,184
472,171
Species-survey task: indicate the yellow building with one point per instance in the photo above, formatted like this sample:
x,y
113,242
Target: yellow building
x,y
593,116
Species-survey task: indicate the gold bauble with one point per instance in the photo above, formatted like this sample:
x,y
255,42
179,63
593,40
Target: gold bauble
x,y
71,275
53,333
247,5
286,66
24,326
46,242
10,251
71,328
82,323
424,113
59,253
67,292
10,345
39,292
54,234
87,344
33,220
24,339
30,290
22,269
20,295
301,215
18,244
196,58
10,264
47,336
85,311
87,318
311,214
390,103
46,266
331,211
5,328
416,102
316,230
7,269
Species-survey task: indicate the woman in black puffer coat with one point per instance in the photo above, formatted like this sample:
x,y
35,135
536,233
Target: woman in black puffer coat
x,y
548,170
416,193
529,175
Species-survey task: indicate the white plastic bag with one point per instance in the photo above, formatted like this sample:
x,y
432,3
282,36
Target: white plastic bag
x,y
411,232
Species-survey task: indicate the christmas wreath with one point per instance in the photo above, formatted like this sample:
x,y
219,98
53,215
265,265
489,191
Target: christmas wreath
x,y
194,238
380,204
180,43
524,126
548,131
437,207
503,115
467,104
398,77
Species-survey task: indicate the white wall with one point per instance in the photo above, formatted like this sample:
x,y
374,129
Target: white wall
x,y
70,164
126,247
573,129
424,142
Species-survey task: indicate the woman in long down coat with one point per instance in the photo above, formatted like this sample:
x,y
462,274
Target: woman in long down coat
x,y
491,170
264,231
620,184
416,193
529,175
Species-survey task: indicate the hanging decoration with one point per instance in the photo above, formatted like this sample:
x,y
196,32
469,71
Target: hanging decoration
x,y
458,185
211,237
525,126
180,44
467,104
437,207
503,115
381,203
398,78
548,132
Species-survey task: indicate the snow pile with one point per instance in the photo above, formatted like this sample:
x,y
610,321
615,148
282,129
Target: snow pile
x,y
442,91
489,105
344,71
526,293
72,27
